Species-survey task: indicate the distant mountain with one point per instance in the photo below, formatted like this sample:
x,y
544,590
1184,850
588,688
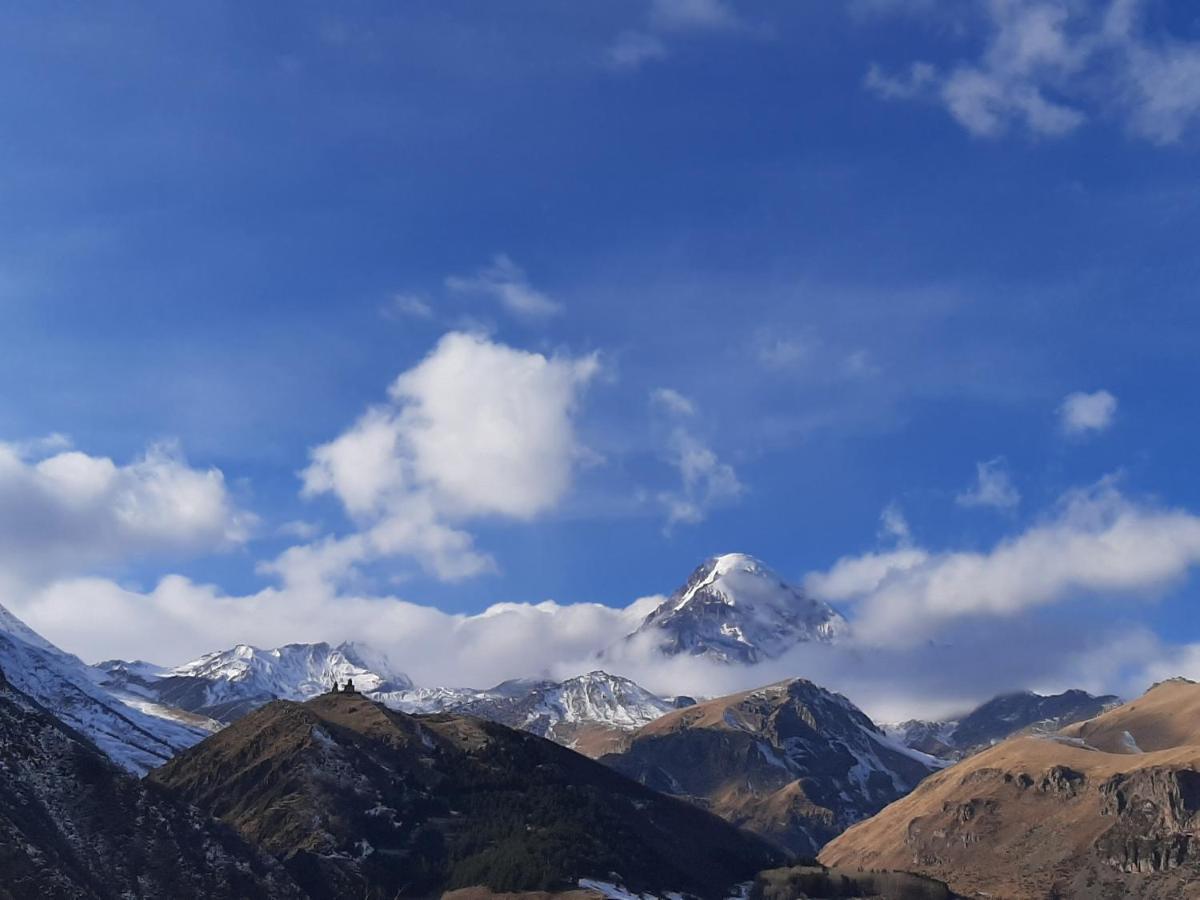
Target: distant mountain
x,y
74,825
792,761
591,713
228,684
136,734
361,801
736,610
1105,808
1000,718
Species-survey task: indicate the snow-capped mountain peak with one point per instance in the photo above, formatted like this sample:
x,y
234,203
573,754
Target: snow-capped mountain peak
x,y
734,608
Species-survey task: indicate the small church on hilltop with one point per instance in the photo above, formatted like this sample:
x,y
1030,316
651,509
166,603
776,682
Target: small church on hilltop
x,y
347,689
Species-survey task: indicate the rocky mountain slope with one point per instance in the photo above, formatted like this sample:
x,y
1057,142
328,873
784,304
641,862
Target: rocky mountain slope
x,y
1106,808
361,801
1000,718
74,825
791,761
736,610
592,713
136,735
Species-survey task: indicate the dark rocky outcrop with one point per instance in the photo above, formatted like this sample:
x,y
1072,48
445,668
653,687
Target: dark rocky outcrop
x,y
1157,827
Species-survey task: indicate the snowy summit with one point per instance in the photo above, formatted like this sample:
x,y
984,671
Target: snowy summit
x,y
735,609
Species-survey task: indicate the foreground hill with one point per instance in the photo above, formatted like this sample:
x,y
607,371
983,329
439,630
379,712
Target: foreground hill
x,y
73,824
1109,807
361,801
791,761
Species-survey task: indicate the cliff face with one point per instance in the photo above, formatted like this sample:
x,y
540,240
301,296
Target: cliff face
x,y
1156,827
1108,808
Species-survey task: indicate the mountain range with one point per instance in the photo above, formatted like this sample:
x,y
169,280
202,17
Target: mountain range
x,y
1001,718
1105,808
266,780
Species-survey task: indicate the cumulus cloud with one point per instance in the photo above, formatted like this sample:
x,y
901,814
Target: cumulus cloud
x,y
1048,66
1097,543
477,429
64,511
506,282
993,487
1082,413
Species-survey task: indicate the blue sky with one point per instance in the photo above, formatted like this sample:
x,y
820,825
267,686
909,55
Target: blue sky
x,y
872,244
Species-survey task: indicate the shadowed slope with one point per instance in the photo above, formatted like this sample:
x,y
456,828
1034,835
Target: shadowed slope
x,y
363,801
72,824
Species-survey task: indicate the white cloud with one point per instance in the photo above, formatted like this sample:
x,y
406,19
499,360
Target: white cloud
x,y
1047,65
776,352
633,49
408,306
1082,413
64,512
1098,543
673,402
706,482
477,429
993,487
179,620
505,281
671,15
893,525
920,77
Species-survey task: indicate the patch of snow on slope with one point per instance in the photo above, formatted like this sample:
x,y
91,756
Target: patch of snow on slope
x,y
68,688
